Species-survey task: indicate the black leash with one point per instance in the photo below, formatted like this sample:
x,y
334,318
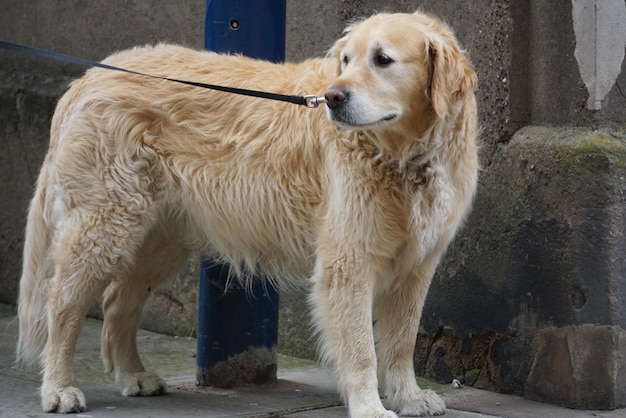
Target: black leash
x,y
310,101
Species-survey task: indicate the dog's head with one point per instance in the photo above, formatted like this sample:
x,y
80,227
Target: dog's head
x,y
403,69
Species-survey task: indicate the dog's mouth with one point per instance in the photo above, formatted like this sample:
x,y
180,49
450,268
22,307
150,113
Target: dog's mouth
x,y
390,117
353,123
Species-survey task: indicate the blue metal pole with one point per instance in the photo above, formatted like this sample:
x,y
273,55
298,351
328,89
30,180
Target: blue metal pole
x,y
238,327
253,28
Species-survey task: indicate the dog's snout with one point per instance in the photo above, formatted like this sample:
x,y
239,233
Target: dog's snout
x,y
335,97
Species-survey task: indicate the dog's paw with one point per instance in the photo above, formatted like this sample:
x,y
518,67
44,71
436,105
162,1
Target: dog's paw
x,y
142,384
421,403
371,413
64,401
387,414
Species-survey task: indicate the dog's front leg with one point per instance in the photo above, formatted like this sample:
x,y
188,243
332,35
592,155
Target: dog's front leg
x,y
342,307
397,315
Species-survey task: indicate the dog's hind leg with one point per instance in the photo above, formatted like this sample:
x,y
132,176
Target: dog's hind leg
x,y
397,316
90,250
122,306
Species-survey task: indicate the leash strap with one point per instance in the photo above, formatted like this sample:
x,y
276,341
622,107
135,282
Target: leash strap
x,y
310,101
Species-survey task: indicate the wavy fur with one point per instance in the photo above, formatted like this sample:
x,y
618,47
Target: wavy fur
x,y
140,172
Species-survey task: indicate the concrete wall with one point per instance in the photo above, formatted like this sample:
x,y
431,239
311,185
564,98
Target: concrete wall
x,y
537,276
30,87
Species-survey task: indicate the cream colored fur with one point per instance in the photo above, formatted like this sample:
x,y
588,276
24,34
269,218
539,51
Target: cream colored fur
x,y
140,172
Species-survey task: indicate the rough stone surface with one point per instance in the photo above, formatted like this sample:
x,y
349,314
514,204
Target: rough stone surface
x,y
580,367
95,30
256,365
295,329
541,249
173,308
27,102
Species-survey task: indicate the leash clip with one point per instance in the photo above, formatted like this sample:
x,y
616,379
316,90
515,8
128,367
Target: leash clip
x,y
312,101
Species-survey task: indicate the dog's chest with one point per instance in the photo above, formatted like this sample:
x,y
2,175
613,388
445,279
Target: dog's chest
x,y
381,207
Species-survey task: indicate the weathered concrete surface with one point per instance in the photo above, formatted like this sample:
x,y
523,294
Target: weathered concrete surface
x,y
26,105
304,390
256,365
543,249
580,366
95,30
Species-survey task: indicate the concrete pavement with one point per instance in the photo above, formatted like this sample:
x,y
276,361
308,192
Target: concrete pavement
x,y
305,390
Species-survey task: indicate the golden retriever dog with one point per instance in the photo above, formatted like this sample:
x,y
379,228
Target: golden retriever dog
x,y
361,200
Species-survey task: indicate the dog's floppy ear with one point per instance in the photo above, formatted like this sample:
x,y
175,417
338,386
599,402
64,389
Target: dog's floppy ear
x,y
340,44
451,75
337,47
335,50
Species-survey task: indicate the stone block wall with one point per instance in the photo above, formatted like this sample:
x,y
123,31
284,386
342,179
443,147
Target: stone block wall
x,y
541,253
530,297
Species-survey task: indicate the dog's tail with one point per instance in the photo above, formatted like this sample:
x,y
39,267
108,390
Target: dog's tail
x,y
36,273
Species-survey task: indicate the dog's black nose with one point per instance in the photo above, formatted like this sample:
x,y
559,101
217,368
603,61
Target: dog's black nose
x,y
335,97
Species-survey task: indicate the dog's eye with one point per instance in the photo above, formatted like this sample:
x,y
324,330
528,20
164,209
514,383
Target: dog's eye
x,y
383,60
345,59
